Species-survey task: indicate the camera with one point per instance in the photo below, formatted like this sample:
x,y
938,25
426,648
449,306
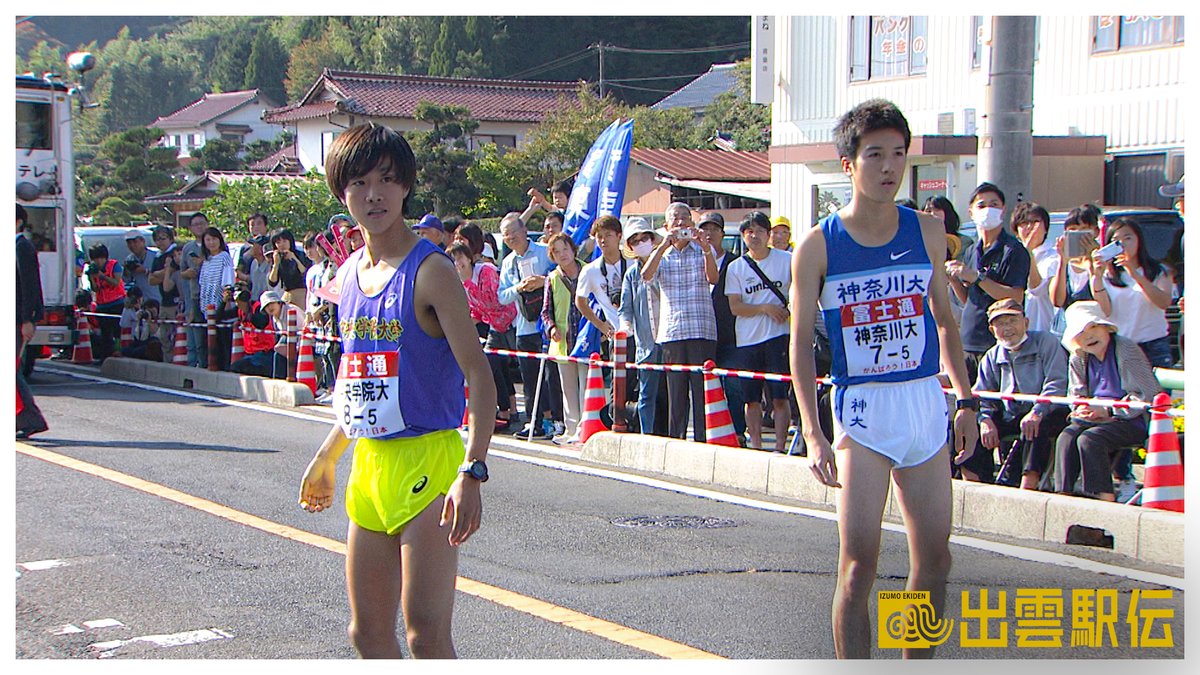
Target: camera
x,y
685,233
93,269
1112,250
132,261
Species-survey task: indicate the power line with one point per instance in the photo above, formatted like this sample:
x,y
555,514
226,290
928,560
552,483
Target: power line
x,y
697,50
555,63
660,77
610,83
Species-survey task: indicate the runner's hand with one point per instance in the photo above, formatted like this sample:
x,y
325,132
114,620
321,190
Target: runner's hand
x,y
316,488
821,460
966,434
462,508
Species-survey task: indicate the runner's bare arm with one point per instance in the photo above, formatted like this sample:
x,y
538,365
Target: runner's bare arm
x,y
808,274
317,485
966,430
439,289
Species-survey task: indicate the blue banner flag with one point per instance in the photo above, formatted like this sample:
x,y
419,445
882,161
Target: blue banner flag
x,y
600,185
587,340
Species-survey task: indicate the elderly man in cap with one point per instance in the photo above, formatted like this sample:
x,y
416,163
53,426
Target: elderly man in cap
x,y
269,362
781,233
430,227
164,274
1021,362
138,265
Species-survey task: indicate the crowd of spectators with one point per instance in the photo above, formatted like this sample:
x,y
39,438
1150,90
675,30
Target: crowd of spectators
x,y
1081,315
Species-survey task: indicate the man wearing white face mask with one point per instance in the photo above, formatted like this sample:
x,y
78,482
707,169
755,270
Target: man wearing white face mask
x,y
996,267
1021,362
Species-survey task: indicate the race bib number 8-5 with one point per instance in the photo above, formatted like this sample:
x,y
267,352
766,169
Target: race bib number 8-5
x,y
366,396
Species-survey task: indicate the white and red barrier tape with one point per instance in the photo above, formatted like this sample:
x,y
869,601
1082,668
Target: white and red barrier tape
x,y
323,335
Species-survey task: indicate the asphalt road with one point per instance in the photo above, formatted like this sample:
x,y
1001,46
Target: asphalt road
x,y
689,573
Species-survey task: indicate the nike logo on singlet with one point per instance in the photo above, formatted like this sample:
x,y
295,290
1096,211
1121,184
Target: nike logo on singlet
x,y
897,256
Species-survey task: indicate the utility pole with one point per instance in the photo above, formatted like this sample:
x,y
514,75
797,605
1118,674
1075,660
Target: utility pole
x,y
600,48
1006,145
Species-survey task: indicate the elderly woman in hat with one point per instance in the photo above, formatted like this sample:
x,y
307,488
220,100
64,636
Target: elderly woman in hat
x,y
1104,365
639,316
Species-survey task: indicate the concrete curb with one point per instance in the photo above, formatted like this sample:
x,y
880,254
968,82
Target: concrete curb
x,y
233,385
1145,534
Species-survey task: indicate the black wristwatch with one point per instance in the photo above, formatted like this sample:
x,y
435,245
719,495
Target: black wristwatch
x,y
982,277
475,469
967,404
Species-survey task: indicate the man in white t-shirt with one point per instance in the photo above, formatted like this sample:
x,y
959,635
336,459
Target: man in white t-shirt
x,y
601,278
760,308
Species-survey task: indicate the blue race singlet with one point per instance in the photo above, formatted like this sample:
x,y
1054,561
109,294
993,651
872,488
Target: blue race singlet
x,y
875,303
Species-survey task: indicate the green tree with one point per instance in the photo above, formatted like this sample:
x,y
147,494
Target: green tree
x,y
302,204
217,155
128,167
267,67
141,80
732,113
309,60
263,148
443,159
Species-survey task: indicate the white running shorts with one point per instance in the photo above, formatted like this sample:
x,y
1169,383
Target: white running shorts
x,y
907,422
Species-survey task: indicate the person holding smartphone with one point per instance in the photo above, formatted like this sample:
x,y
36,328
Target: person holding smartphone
x,y
682,271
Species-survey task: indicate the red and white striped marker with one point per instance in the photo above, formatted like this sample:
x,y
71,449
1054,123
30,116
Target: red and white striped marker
x,y
593,401
718,423
179,357
1163,483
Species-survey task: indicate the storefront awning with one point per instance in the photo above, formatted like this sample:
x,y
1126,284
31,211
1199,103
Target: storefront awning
x,y
758,190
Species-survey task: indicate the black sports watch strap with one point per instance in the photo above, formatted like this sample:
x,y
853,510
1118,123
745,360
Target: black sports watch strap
x,y
967,404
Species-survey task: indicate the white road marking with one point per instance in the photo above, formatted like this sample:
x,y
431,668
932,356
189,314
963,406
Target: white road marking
x,y
39,565
102,623
105,649
68,629
1010,550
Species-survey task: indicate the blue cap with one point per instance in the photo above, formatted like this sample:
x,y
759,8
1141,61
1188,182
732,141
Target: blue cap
x,y
430,220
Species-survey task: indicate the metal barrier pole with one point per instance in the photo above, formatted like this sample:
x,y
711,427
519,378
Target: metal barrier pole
x,y
620,347
535,417
214,362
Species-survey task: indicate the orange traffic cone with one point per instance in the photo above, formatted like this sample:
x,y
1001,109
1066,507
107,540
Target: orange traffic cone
x,y
83,341
718,423
593,401
306,370
238,350
179,355
126,336
1163,487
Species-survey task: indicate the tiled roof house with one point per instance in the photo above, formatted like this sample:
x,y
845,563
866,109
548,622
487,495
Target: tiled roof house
x,y
234,115
505,109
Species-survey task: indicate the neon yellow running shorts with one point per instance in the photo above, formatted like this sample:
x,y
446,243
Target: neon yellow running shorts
x,y
392,481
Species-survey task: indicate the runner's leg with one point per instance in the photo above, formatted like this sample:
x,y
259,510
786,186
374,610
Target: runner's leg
x,y
373,585
430,566
864,476
924,495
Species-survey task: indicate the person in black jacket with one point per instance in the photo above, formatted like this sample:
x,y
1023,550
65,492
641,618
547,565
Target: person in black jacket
x,y
29,311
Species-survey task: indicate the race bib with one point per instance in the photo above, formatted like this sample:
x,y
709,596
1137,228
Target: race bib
x,y
366,396
882,320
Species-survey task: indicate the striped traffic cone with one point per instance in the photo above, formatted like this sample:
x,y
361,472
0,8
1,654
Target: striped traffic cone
x,y
593,401
126,336
179,355
83,341
238,350
1163,483
718,423
306,370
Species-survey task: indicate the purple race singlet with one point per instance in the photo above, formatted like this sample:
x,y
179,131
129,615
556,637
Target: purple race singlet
x,y
395,380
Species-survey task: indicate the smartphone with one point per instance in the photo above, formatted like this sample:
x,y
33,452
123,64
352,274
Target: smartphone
x,y
1110,251
1076,243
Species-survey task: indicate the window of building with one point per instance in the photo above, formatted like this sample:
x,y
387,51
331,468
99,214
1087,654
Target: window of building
x,y
887,46
1115,33
976,42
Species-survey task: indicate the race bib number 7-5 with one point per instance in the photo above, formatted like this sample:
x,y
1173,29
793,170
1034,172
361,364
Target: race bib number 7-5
x,y
882,317
366,396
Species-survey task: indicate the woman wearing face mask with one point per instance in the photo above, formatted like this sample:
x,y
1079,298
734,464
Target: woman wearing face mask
x,y
996,267
639,316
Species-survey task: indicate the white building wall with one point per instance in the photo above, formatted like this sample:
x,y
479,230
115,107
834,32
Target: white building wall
x,y
1133,97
